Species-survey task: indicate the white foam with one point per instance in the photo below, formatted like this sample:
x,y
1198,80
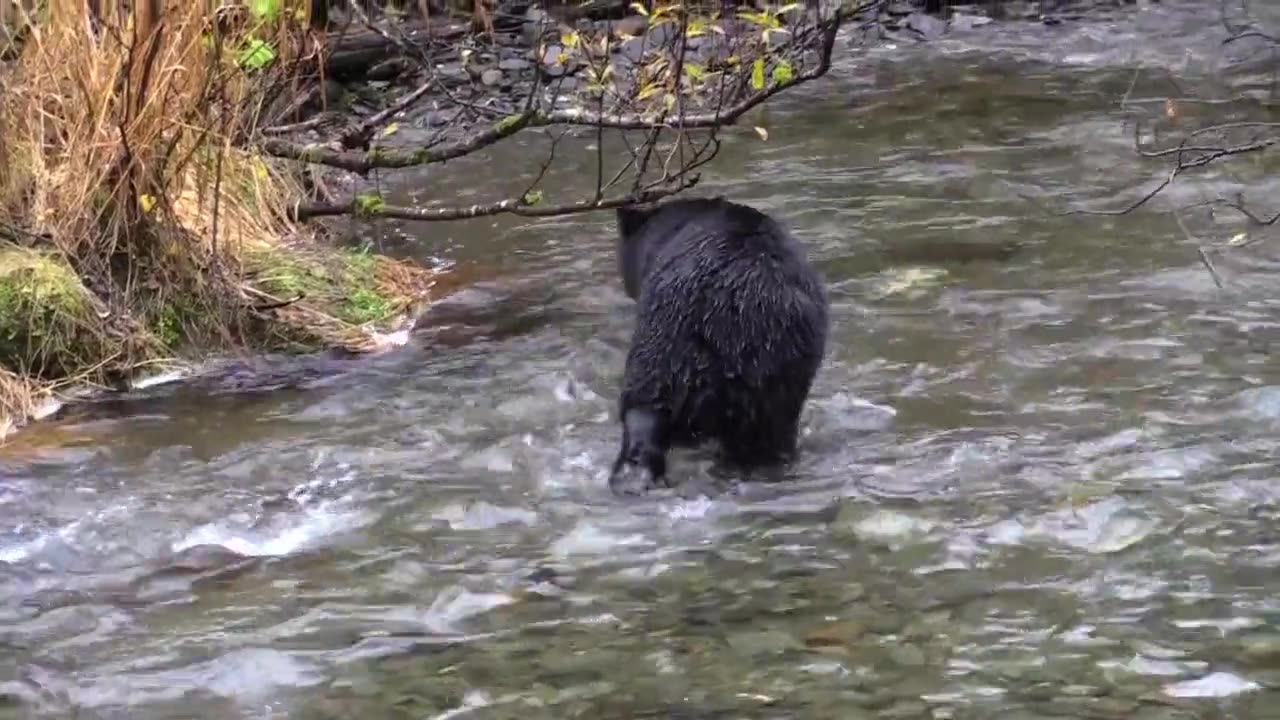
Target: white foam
x,y
1213,685
300,532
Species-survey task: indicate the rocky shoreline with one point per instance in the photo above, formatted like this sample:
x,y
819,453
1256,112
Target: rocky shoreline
x,y
374,65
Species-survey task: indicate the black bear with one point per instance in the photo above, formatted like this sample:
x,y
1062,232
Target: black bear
x,y
731,329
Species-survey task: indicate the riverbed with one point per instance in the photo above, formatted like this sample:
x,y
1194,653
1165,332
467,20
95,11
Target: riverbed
x,y
1033,484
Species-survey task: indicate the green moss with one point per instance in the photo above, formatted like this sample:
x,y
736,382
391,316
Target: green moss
x,y
365,305
176,321
369,204
365,302
343,284
46,319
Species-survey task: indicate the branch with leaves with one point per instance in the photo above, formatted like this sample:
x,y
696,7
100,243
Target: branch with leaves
x,y
679,75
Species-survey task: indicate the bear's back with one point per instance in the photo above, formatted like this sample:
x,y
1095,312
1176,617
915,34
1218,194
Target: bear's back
x,y
733,250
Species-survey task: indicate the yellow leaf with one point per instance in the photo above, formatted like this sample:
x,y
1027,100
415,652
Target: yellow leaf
x,y
757,74
638,7
787,8
392,129
147,202
764,134
782,73
665,10
569,39
647,91
260,169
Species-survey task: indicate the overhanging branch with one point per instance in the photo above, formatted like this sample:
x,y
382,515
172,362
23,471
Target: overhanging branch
x,y
511,206
363,162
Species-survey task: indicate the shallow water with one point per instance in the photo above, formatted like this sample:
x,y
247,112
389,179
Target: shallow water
x,y
1041,487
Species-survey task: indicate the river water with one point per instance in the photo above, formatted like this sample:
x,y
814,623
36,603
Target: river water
x,y
1034,486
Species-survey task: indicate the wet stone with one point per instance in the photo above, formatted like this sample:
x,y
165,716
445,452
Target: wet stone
x,y
535,24
968,22
633,50
1103,708
451,70
929,26
1261,650
907,655
904,710
491,77
555,62
437,118
762,642
836,637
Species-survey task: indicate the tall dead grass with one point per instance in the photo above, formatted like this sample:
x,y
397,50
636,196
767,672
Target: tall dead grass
x,y
120,151
123,160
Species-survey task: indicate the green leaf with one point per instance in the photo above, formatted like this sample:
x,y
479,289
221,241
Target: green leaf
x,y
368,204
757,74
533,197
265,9
782,73
256,54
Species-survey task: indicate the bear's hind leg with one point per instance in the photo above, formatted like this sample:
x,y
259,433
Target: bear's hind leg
x,y
642,459
769,438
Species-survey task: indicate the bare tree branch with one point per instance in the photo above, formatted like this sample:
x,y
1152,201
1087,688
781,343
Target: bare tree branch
x,y
512,206
655,82
363,162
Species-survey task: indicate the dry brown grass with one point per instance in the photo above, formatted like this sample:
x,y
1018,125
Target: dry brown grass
x,y
122,158
18,400
120,149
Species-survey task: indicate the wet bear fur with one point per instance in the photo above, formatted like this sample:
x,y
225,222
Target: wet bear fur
x,y
731,328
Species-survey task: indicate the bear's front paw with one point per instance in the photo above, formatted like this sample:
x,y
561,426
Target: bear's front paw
x,y
631,479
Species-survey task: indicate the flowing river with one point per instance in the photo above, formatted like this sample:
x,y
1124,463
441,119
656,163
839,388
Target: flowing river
x,y
1038,474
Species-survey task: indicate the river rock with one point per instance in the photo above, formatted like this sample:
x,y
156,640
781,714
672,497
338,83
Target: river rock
x,y
1261,650
535,26
491,77
664,35
438,118
388,69
551,61
451,70
755,643
514,64
632,50
631,25
928,26
968,22
907,655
